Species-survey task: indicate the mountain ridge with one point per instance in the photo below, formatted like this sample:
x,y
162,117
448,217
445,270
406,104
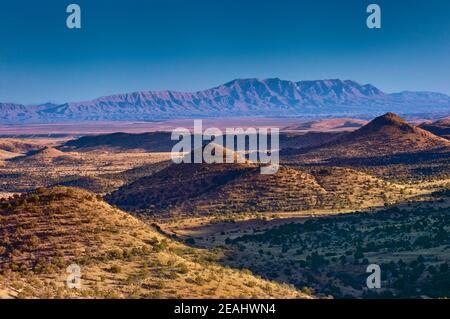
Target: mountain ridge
x,y
239,97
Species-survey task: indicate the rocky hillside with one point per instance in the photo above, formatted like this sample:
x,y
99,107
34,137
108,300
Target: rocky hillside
x,y
205,189
385,135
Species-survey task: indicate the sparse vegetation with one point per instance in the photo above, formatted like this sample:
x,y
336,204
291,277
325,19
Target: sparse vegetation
x,y
340,201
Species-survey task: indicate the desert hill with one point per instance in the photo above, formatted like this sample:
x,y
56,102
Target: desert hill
x,y
95,184
293,190
14,145
176,184
439,128
135,173
47,155
306,140
4,155
240,188
328,125
151,142
385,135
42,233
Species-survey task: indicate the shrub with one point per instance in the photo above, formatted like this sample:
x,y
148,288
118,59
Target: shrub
x,y
115,269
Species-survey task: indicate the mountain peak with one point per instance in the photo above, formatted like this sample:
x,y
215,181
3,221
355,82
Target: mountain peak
x,y
243,81
390,117
387,122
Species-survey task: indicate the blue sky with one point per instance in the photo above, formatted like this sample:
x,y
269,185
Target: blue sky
x,y
188,45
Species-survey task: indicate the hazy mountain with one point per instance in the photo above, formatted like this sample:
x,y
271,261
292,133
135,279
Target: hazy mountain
x,y
242,97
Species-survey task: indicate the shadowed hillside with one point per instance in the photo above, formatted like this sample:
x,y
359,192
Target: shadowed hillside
x,y
440,128
306,140
241,188
176,184
151,142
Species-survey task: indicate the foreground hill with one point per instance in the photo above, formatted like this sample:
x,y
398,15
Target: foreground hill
x,y
242,97
44,232
385,135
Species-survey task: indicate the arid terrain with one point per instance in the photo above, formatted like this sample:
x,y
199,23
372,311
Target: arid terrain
x,y
348,193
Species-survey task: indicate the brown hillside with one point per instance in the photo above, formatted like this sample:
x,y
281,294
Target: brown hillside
x,y
292,190
151,142
329,124
42,233
386,135
305,140
4,155
232,188
14,145
98,185
176,184
48,154
135,173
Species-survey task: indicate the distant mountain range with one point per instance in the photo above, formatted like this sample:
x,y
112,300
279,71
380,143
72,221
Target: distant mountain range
x,y
242,97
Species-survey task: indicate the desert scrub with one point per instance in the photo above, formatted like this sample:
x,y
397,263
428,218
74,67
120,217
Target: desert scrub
x,y
115,269
183,268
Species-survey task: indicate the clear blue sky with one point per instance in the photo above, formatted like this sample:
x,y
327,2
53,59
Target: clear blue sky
x,y
188,45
